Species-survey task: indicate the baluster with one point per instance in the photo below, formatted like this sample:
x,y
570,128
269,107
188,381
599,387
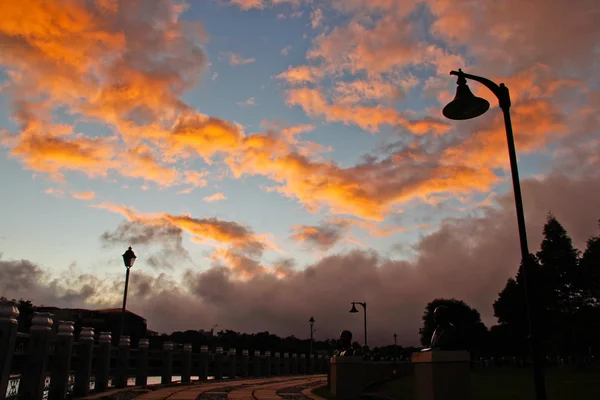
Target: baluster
x,y
59,381
141,363
267,364
31,386
256,364
311,364
294,364
167,371
186,363
231,374
219,363
103,370
277,364
84,362
203,375
9,326
123,362
245,363
286,364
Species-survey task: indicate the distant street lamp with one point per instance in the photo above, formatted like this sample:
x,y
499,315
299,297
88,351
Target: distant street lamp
x,y
312,322
354,310
128,259
395,346
466,106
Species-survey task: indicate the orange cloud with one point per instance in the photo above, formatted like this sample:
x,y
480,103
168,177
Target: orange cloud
x,y
84,195
215,197
236,59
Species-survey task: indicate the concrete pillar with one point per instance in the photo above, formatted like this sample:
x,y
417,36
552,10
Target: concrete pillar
x,y
286,363
294,363
120,379
186,363
232,364
83,370
141,364
277,364
441,375
244,363
59,381
256,364
311,364
267,364
167,369
9,325
219,363
103,370
203,374
31,386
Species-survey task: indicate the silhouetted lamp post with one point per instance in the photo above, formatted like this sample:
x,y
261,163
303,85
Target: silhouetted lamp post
x,y
354,310
395,346
466,106
312,322
128,259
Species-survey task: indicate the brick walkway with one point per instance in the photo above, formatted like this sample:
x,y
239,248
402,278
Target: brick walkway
x,y
244,389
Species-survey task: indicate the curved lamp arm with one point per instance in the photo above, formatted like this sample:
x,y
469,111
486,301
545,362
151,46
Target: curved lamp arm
x,y
500,91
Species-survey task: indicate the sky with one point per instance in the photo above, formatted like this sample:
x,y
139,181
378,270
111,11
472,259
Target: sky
x,y
273,160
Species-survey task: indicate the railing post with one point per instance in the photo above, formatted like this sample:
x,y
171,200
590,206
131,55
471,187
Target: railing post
x,y
294,364
302,366
311,364
186,363
9,326
219,363
256,364
83,371
103,370
286,363
203,373
245,363
59,381
31,386
123,362
320,364
232,364
141,362
167,369
277,364
268,364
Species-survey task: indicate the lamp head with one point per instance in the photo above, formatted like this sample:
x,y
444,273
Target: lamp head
x,y
129,258
353,309
311,320
465,104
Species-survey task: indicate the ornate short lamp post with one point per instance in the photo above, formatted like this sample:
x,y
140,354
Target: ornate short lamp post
x,y
354,310
128,259
312,322
466,106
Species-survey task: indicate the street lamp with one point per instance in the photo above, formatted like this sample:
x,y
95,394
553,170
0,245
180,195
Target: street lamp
x,y
312,322
128,259
466,106
395,346
354,310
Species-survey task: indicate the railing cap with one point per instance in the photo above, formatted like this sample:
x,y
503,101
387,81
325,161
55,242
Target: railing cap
x,y
124,341
105,337
168,346
41,321
257,352
86,334
204,349
65,328
187,347
9,312
144,344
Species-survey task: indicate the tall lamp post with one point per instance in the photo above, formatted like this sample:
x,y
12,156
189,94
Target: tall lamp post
x,y
128,259
395,346
466,106
354,310
312,322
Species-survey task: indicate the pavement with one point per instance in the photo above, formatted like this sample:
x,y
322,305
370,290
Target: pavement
x,y
294,387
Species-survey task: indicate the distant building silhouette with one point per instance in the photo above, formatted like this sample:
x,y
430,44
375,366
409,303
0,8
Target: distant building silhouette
x,y
102,320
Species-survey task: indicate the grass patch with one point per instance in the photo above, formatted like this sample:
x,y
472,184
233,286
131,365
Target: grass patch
x,y
323,392
516,384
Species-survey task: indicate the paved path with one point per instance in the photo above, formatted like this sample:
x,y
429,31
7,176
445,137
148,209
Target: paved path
x,y
243,389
